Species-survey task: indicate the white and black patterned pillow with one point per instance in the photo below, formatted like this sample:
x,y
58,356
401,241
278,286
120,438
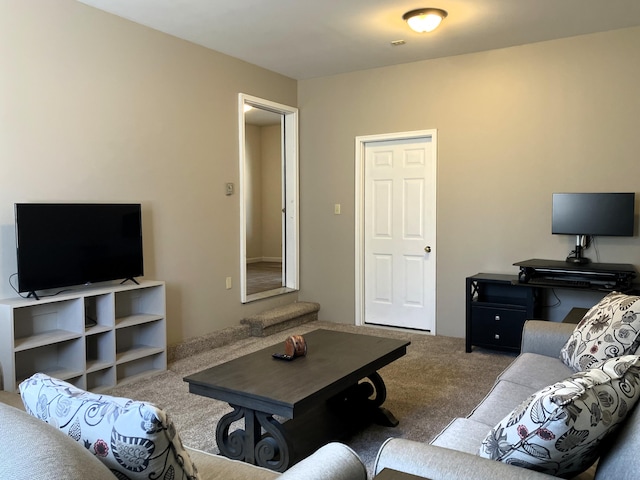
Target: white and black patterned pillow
x,y
136,440
610,329
559,429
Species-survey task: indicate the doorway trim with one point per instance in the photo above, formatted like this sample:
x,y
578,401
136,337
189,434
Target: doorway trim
x,y
290,255
360,144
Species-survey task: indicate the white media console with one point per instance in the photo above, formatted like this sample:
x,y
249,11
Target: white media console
x,y
93,337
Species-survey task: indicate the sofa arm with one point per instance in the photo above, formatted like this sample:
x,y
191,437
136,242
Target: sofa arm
x,y
333,461
30,448
439,463
545,338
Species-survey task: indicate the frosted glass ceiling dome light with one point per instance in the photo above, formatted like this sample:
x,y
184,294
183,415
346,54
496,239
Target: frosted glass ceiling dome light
x,y
424,19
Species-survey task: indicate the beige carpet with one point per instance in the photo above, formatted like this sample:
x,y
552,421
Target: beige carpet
x,y
435,382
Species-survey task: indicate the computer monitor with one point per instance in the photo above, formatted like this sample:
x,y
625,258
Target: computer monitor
x,y
592,214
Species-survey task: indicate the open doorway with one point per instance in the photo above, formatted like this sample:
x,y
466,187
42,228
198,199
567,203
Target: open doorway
x,y
268,198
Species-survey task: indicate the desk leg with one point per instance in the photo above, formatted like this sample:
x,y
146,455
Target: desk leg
x,y
250,445
364,402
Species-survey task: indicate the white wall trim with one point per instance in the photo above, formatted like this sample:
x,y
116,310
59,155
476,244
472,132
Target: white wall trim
x,y
290,183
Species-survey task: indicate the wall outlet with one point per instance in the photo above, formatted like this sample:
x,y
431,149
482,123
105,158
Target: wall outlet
x,y
228,283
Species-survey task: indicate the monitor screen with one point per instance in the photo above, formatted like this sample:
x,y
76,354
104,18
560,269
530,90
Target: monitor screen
x,y
604,214
68,244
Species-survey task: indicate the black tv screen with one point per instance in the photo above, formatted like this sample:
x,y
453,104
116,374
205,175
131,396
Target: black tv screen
x,y
65,244
604,214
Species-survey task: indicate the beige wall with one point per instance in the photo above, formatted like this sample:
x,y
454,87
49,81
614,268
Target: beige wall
x,y
96,108
514,125
272,192
263,180
253,190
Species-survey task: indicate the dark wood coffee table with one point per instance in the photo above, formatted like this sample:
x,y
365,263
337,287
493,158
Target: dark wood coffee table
x,y
334,389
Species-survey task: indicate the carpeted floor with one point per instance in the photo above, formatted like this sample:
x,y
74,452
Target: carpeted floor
x,y
435,382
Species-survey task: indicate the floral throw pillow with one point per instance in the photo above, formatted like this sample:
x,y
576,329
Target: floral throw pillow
x,y
610,329
559,429
135,440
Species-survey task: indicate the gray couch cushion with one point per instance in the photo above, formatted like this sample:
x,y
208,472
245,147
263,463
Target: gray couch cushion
x,y
217,467
535,371
344,465
500,402
430,461
29,448
560,429
462,434
621,453
545,338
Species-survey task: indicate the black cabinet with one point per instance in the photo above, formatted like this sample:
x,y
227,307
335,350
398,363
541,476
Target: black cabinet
x,y
496,308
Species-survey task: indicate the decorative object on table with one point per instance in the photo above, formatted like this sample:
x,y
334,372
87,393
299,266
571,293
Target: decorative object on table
x,y
295,346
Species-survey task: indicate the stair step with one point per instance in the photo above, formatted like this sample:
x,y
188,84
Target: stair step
x,y
281,318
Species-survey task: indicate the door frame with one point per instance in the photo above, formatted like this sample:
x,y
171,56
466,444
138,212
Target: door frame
x,y
290,196
360,145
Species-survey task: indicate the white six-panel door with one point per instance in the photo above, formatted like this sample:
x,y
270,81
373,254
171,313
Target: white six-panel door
x,y
399,232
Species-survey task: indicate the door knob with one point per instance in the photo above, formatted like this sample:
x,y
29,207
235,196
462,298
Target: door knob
x,y
427,249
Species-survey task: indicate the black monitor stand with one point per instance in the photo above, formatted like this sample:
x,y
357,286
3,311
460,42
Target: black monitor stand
x,y
577,258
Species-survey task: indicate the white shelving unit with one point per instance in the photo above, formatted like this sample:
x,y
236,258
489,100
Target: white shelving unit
x,y
126,339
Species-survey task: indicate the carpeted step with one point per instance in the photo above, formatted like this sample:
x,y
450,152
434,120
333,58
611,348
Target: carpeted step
x,y
281,318
196,345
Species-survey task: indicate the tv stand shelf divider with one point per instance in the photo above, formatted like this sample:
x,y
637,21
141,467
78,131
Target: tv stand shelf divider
x,y
94,337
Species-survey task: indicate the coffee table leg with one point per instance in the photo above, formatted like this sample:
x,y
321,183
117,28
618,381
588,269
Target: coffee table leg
x,y
381,415
269,450
364,400
272,451
233,446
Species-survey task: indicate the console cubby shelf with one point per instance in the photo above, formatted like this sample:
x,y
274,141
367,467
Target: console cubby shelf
x,y
94,337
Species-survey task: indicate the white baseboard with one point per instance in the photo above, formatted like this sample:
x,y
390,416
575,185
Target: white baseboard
x,y
264,259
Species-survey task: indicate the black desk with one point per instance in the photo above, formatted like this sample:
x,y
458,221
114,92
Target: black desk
x,y
575,315
496,309
498,305
604,277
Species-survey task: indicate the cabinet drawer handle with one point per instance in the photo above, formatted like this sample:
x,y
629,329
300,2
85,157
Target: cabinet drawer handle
x,y
497,318
496,336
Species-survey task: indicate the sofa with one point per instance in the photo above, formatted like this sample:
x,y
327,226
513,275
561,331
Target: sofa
x,y
453,454
32,449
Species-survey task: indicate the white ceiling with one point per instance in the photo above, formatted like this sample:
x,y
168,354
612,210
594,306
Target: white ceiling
x,y
313,38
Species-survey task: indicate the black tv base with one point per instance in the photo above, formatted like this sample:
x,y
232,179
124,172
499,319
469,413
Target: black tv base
x,y
593,276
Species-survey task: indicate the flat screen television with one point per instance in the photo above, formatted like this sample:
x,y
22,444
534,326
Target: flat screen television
x,y
66,244
592,214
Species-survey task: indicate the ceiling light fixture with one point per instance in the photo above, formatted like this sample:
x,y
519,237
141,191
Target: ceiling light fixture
x,y
424,19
